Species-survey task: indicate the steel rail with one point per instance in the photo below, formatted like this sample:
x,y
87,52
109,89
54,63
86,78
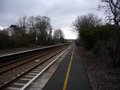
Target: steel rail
x,y
29,70
13,56
50,64
21,63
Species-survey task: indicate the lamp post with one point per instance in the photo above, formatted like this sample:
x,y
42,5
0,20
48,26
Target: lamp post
x,y
36,39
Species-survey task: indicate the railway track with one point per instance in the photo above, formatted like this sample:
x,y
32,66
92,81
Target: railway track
x,y
15,76
22,58
11,65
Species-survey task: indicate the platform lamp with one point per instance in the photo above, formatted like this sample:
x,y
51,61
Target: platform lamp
x,y
36,39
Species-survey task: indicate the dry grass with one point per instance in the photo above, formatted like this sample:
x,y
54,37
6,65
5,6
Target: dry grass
x,y
101,75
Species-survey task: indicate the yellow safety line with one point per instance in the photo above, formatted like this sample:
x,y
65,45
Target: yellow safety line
x,y
68,72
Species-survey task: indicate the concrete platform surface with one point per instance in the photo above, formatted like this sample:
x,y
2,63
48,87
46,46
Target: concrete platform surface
x,y
70,74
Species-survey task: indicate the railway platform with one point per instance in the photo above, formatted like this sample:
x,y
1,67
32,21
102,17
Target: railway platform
x,y
70,74
55,68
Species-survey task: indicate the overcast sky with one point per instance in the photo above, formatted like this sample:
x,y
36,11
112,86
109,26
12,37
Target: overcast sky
x,y
61,12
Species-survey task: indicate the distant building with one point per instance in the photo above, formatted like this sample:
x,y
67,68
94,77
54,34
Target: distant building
x,y
70,40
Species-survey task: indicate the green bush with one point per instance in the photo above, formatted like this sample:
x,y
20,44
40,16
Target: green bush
x,y
104,41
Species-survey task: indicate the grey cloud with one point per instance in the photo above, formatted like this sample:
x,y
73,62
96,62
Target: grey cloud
x,y
71,7
11,10
61,12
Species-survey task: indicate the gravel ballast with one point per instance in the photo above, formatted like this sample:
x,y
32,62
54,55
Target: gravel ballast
x,y
101,75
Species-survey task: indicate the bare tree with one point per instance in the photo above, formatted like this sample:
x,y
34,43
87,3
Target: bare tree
x,y
22,24
85,22
58,36
43,26
31,26
112,8
20,28
18,32
31,22
40,29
